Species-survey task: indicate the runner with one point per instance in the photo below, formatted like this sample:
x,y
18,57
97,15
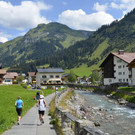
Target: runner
x,y
42,106
19,104
37,95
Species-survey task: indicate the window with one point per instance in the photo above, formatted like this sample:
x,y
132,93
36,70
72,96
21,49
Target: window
x,y
43,76
51,76
127,80
110,80
57,76
120,73
123,80
119,66
123,66
120,80
7,80
123,73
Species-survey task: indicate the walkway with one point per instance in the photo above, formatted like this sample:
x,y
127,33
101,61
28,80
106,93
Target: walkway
x,y
30,123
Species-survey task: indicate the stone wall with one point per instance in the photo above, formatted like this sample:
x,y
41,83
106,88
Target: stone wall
x,y
81,127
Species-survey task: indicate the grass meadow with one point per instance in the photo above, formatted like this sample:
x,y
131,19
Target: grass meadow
x,y
8,96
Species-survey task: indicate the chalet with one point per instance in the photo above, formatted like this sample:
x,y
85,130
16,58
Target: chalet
x,y
31,77
119,67
0,65
2,73
10,78
48,76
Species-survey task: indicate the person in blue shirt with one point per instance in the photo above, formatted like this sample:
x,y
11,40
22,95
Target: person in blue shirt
x,y
19,104
37,95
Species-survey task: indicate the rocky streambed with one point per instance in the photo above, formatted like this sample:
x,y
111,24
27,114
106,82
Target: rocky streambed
x,y
104,114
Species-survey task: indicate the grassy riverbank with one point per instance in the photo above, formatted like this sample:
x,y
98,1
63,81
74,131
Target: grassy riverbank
x,y
8,96
127,93
63,105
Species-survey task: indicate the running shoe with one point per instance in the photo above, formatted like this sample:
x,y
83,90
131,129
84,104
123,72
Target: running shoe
x,y
18,122
42,121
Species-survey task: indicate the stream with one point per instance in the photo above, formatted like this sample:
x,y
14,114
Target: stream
x,y
121,120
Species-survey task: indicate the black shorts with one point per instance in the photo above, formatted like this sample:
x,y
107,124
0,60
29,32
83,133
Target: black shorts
x,y
41,112
19,111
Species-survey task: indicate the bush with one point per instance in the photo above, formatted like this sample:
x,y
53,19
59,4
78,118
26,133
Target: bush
x,y
24,85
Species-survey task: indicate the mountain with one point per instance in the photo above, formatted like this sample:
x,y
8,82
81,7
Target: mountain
x,y
0,43
39,42
92,51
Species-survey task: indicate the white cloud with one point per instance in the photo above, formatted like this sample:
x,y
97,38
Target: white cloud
x,y
3,39
26,15
3,36
78,19
125,5
98,7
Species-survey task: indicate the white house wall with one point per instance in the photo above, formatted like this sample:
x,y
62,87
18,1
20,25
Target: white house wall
x,y
108,81
40,80
121,72
121,69
8,81
133,76
37,79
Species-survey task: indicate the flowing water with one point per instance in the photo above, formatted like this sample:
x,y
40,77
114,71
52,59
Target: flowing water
x,y
123,122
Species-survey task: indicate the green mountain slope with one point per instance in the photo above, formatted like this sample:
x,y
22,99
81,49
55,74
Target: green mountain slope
x,y
42,41
91,52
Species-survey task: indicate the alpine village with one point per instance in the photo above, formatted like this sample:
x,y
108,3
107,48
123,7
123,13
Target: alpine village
x,y
91,75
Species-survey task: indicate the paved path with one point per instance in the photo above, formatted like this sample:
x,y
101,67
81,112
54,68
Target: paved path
x,y
30,123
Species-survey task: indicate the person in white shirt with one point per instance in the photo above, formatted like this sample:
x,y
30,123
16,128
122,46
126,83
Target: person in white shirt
x,y
42,107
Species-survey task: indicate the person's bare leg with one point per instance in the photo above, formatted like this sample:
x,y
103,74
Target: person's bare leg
x,y
40,118
18,120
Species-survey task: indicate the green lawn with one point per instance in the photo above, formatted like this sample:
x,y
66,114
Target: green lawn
x,y
127,89
8,96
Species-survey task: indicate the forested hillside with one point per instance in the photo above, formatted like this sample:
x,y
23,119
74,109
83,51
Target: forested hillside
x,y
38,43
91,52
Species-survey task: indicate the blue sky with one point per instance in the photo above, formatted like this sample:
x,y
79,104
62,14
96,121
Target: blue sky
x,y
18,16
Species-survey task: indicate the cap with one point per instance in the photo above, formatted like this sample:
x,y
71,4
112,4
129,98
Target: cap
x,y
41,96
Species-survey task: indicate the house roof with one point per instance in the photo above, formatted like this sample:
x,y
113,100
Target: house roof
x,y
127,57
50,70
2,71
64,75
31,73
10,75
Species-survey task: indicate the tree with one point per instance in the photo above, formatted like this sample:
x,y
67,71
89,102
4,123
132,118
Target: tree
x,y
95,76
71,77
20,78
